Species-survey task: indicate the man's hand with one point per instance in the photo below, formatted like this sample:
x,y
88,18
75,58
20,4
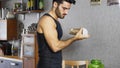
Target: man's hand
x,y
80,36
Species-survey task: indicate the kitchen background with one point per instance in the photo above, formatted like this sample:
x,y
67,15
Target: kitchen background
x,y
102,22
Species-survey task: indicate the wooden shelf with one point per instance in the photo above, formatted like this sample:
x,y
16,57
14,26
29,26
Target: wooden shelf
x,y
31,11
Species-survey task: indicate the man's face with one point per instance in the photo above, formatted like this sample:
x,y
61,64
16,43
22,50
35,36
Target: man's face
x,y
62,9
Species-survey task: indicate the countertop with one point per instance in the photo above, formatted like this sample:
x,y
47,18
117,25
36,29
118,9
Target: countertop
x,y
12,58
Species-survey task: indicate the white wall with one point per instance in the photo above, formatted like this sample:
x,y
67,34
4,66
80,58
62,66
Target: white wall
x,y
103,24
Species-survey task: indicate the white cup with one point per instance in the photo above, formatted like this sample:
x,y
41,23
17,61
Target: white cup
x,y
85,32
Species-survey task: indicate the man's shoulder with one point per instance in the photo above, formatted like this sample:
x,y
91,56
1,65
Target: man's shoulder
x,y
46,18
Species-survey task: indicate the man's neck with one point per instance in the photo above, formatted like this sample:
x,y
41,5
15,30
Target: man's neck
x,y
52,13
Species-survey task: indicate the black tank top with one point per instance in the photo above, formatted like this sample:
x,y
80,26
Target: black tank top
x,y
48,58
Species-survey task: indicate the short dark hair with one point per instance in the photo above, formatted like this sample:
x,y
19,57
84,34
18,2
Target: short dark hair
x,y
61,1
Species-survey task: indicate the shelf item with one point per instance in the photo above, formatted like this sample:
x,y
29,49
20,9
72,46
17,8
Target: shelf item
x,y
30,6
8,29
22,8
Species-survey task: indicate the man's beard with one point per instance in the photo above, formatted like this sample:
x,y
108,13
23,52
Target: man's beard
x,y
59,15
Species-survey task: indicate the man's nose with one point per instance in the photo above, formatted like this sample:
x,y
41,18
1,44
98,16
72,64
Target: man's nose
x,y
66,12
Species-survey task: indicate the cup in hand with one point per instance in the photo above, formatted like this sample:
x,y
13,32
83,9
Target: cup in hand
x,y
74,31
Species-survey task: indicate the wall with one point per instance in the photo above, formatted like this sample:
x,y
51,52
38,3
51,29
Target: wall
x,y
102,22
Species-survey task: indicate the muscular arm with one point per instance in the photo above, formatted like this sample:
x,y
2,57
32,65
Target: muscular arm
x,y
48,27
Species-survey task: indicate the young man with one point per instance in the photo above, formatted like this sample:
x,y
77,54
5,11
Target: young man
x,y
49,33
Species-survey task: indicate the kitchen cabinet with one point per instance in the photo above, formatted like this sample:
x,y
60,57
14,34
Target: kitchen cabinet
x,y
28,45
8,29
29,51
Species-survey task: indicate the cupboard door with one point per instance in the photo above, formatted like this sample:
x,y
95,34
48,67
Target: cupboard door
x,y
11,29
8,29
29,62
28,45
3,29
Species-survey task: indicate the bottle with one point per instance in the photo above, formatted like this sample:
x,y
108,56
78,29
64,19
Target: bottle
x,y
36,4
95,63
31,4
28,5
3,13
41,4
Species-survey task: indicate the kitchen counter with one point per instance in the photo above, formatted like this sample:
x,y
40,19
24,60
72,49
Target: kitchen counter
x,y
12,58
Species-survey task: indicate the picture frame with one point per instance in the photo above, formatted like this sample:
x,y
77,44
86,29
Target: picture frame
x,y
95,2
112,2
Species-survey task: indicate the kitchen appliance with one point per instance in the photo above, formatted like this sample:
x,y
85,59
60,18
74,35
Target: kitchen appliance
x,y
6,48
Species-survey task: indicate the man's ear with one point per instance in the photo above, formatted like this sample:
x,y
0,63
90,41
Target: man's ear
x,y
55,4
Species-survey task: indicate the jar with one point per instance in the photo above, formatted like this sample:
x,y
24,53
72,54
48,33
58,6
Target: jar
x,y
95,63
